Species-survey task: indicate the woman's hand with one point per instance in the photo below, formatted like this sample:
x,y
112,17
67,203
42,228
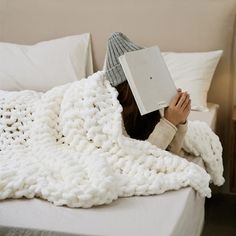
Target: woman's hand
x,y
179,108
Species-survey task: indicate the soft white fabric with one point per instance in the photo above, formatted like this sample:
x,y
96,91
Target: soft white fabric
x,y
193,72
199,146
67,146
45,64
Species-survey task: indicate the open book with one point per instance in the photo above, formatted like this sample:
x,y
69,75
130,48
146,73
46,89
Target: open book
x,y
149,78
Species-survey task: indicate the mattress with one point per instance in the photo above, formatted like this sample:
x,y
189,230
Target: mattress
x,y
210,117
164,214
176,213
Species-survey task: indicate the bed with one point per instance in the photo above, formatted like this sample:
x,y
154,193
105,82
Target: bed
x,y
172,213
148,213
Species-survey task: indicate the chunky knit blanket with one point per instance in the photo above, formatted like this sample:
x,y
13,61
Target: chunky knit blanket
x,y
67,146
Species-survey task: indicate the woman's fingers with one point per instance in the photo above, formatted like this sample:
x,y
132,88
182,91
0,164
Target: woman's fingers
x,y
188,106
179,108
185,104
176,98
183,100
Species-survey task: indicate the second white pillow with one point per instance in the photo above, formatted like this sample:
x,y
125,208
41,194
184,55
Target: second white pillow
x,y
193,72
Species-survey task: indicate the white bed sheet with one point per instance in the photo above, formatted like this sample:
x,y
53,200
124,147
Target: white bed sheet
x,y
175,213
164,214
210,117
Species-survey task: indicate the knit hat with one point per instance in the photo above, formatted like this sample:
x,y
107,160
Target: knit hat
x,y
118,44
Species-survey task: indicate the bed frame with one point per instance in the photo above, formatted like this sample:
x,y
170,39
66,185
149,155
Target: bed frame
x,y
183,25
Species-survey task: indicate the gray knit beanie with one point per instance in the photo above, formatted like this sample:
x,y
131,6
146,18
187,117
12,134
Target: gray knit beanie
x,y
118,44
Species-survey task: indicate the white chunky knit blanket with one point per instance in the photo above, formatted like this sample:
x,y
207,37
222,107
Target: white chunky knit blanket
x,y
67,146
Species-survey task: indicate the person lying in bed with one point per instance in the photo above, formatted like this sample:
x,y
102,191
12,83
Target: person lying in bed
x,y
166,132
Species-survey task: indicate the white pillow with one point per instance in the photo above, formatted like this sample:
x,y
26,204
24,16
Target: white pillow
x,y
45,64
193,72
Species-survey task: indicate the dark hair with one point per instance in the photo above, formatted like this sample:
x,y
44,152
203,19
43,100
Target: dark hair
x,y
137,126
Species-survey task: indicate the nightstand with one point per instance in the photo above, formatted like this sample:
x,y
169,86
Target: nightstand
x,y
233,162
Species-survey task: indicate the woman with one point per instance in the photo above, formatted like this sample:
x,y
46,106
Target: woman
x,y
166,132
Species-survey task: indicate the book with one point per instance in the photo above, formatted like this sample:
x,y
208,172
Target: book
x,y
149,79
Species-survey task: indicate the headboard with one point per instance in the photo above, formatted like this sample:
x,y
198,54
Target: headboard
x,y
174,25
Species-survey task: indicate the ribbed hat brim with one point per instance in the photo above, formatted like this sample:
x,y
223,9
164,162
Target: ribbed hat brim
x,y
118,44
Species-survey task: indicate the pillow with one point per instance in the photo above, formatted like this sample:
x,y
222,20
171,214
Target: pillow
x,y
46,64
193,72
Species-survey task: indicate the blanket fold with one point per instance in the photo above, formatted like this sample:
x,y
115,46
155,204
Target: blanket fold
x,y
66,146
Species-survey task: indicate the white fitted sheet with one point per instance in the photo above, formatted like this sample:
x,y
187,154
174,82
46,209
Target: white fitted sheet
x,y
164,214
210,117
176,213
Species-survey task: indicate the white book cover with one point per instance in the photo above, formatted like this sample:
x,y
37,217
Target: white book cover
x,y
149,78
